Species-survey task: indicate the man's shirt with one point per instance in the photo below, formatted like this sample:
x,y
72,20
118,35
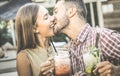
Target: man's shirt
x,y
108,44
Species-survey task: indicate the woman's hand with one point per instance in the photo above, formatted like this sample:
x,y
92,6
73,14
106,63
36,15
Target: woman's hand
x,y
107,69
46,69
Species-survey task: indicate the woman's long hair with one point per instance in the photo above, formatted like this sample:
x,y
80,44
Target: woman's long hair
x,y
24,23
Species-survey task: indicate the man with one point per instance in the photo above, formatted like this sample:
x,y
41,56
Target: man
x,y
70,19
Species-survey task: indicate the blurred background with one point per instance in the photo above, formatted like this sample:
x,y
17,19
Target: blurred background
x,y
102,13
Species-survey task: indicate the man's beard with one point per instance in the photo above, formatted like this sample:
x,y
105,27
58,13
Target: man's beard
x,y
64,22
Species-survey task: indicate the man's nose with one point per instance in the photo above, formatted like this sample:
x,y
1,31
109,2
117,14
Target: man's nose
x,y
52,18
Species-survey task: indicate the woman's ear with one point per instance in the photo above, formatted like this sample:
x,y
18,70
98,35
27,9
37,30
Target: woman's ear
x,y
35,30
71,11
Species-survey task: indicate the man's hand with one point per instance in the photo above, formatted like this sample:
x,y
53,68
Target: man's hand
x,y
107,69
46,68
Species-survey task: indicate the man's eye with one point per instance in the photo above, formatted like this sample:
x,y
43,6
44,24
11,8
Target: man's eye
x,y
55,12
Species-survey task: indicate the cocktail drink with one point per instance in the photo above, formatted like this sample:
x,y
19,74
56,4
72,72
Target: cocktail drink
x,y
91,58
62,65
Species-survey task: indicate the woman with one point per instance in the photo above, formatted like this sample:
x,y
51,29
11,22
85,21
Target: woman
x,y
34,26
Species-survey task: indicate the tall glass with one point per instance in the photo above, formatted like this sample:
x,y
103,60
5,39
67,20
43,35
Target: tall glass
x,y
91,58
62,64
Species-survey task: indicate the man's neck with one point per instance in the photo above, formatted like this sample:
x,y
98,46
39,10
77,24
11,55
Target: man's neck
x,y
74,29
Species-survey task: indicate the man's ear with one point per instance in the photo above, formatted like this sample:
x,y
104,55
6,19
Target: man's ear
x,y
71,11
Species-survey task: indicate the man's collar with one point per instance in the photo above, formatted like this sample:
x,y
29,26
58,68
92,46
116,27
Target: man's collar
x,y
83,33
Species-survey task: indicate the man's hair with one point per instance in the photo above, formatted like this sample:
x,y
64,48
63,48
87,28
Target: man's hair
x,y
80,5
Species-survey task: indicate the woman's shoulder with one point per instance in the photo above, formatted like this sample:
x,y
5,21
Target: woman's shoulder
x,y
21,53
21,56
23,65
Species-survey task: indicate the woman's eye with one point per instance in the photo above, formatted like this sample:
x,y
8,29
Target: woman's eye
x,y
46,17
